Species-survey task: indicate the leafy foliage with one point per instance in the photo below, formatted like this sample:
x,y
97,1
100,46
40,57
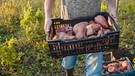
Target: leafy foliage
x,y
23,48
8,54
126,23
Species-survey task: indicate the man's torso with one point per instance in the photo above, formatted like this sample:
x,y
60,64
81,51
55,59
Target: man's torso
x,y
79,8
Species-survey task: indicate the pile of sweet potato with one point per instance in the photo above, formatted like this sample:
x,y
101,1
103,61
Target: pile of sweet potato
x,y
92,28
117,67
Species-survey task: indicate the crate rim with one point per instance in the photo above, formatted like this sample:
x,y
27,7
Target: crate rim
x,y
76,19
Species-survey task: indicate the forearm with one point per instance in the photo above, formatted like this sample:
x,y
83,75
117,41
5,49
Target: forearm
x,y
48,6
112,5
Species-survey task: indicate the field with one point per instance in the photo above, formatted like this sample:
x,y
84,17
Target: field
x,y
24,50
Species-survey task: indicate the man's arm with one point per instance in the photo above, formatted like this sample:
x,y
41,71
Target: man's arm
x,y
48,6
113,8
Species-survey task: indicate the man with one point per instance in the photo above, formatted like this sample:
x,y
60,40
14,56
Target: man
x,y
80,8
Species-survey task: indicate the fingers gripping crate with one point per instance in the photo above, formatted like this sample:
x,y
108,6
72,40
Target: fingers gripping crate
x,y
62,48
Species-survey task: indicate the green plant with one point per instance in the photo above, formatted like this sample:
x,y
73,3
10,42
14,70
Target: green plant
x,y
133,62
9,56
103,6
126,23
32,22
9,16
23,48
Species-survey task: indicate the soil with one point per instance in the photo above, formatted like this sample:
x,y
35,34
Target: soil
x,y
123,52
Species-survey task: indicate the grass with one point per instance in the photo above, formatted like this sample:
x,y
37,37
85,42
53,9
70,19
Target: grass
x,y
34,60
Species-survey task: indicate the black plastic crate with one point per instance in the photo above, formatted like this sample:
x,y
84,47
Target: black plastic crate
x,y
128,73
60,48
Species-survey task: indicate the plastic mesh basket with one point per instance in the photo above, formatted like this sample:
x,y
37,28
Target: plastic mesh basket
x,y
61,48
129,73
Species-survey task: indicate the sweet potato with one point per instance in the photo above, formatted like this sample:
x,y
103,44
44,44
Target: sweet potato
x,y
80,30
106,31
96,27
64,36
101,20
124,64
90,30
117,67
58,30
55,37
67,29
100,32
92,36
116,64
112,69
129,67
92,22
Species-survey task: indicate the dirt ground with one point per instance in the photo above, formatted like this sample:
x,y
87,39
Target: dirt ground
x,y
123,52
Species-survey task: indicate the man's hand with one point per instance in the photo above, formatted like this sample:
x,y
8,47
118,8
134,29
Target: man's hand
x,y
47,25
112,8
48,6
113,14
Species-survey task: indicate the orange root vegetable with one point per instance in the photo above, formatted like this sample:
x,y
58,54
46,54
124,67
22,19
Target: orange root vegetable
x,y
92,36
106,31
92,22
117,67
100,32
129,67
67,29
124,64
116,64
96,27
112,69
61,35
67,37
58,30
90,30
55,37
101,20
80,29
64,36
